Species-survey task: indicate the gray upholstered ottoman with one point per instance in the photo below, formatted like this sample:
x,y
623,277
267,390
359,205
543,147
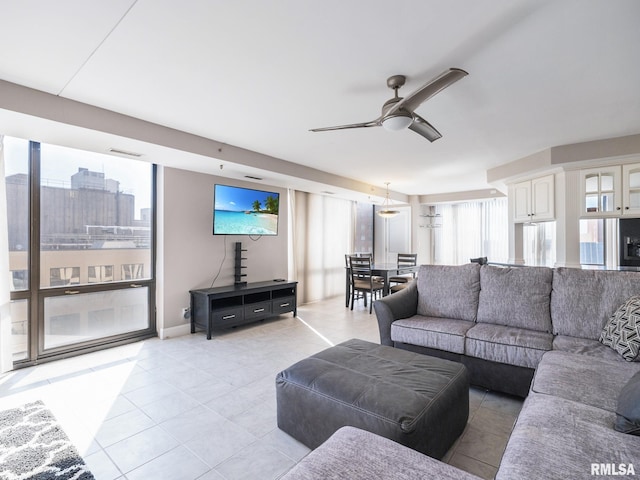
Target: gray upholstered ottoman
x,y
416,400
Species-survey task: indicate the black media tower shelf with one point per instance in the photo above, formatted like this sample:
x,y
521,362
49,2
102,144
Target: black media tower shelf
x,y
238,266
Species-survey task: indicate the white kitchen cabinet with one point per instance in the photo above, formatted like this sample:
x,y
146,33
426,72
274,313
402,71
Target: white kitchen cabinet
x,y
611,191
534,200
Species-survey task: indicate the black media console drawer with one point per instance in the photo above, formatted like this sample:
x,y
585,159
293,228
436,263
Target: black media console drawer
x,y
284,305
228,316
257,310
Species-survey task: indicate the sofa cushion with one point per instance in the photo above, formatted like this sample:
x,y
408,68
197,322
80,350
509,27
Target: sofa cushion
x,y
592,381
583,300
557,439
442,333
585,346
516,297
510,345
628,410
439,284
622,331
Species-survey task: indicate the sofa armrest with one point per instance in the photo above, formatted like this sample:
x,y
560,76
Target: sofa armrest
x,y
354,454
402,304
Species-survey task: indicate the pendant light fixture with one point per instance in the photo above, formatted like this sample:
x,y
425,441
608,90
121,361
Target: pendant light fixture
x,y
385,210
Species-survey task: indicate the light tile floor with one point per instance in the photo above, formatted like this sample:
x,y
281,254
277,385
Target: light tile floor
x,y
188,408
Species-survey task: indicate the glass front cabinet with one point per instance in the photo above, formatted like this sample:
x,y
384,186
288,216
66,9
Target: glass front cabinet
x,y
610,191
631,189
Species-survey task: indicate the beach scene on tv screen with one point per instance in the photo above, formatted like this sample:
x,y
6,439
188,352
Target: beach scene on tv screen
x,y
242,211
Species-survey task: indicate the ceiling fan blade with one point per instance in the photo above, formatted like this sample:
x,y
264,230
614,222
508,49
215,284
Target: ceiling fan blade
x,y
373,123
429,89
424,128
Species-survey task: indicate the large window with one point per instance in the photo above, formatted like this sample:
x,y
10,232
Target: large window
x,y
91,212
599,242
472,229
592,241
539,244
363,238
80,231
16,157
72,319
323,230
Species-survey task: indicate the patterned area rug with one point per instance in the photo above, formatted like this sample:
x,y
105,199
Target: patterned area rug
x,y
33,446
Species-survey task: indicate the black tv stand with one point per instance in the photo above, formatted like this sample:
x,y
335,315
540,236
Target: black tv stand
x,y
233,305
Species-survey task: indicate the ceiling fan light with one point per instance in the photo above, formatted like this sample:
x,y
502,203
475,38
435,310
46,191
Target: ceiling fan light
x,y
397,121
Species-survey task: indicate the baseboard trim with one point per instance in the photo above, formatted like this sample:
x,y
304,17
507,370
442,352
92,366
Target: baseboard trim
x,y
172,332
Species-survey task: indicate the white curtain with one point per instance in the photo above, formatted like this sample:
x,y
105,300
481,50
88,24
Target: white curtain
x,y
495,234
6,362
472,229
612,243
322,233
292,272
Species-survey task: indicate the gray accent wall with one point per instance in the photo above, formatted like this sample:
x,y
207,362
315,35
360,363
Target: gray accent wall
x,y
189,256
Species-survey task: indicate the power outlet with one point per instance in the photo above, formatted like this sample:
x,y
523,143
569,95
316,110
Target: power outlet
x,y
186,313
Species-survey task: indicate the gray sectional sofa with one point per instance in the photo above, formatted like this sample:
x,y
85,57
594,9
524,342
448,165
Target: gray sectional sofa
x,y
499,321
529,331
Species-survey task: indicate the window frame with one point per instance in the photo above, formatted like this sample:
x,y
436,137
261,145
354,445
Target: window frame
x,y
35,294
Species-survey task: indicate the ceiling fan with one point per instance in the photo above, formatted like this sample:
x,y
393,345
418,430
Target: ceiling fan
x,y
399,113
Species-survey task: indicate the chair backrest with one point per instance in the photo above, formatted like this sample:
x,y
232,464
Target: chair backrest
x,y
360,268
408,259
356,254
480,260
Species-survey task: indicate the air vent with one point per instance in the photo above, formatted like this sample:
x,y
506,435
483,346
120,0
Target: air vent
x,y
252,177
124,152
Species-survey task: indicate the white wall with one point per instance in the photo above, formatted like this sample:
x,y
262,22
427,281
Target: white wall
x,y
189,256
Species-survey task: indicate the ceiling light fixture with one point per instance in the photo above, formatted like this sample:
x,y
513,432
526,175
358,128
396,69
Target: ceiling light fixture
x,y
386,211
397,121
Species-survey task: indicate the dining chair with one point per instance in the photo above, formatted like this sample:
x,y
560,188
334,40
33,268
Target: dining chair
x,y
480,260
362,281
349,277
348,270
405,260
399,286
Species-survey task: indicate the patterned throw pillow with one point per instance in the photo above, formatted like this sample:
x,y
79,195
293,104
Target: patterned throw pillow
x,y
622,331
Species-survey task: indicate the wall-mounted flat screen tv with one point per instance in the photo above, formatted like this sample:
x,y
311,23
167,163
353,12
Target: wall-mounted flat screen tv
x,y
244,211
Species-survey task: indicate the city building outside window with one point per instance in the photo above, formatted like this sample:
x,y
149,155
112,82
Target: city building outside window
x,y
592,241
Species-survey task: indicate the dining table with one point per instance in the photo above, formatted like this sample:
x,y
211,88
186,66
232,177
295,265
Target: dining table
x,y
385,271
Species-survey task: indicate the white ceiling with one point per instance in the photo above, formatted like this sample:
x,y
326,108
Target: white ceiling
x,y
258,74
